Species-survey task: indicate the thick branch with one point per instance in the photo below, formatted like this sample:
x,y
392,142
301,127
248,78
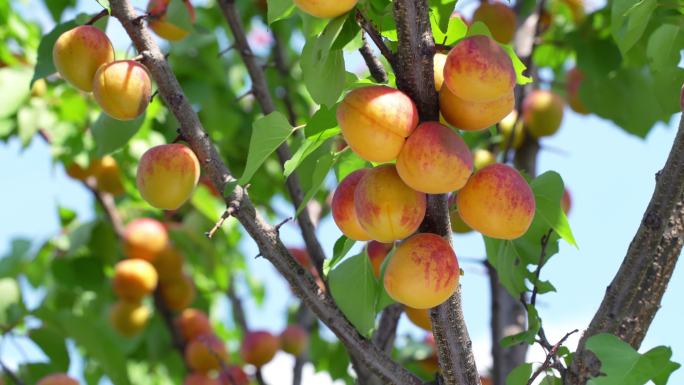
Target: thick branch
x,y
633,297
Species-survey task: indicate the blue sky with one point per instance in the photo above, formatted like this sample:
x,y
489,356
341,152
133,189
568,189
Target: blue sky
x,y
610,175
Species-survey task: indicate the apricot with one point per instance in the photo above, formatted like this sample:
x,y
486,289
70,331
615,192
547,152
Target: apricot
x,y
128,318
156,9
325,9
386,207
377,252
134,279
145,238
167,175
423,272
472,116
342,205
482,158
57,379
169,264
108,176
302,257
457,224
542,113
419,317
497,202
192,323
573,82
434,160
499,18
200,379
477,69
511,125
566,202
438,65
259,347
177,294
376,120
79,52
122,89
205,353
77,172
233,375
294,340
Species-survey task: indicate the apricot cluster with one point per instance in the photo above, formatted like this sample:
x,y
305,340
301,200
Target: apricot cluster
x,y
105,171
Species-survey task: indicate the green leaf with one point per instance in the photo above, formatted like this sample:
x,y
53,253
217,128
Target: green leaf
x,y
622,365
309,146
66,215
348,163
323,166
57,7
503,256
528,336
340,250
12,263
14,89
268,133
629,19
279,9
440,14
664,46
10,301
53,344
44,64
518,65
111,134
105,5
548,190
354,289
520,375
349,31
177,14
456,29
32,117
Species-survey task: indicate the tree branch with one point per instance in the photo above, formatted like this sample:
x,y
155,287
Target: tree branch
x,y
377,70
370,29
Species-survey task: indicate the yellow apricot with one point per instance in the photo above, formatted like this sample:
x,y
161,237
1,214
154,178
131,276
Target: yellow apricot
x,y
386,207
438,65
434,160
294,340
128,318
167,175
177,294
342,205
423,271
122,89
497,202
79,52
192,323
205,353
169,264
259,347
472,116
145,238
419,317
376,120
156,9
325,9
377,252
499,18
573,81
542,113
507,129
457,224
57,379
134,279
477,69
108,176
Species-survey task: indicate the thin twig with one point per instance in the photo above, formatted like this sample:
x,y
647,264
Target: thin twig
x,y
552,355
226,214
370,29
97,17
374,65
542,257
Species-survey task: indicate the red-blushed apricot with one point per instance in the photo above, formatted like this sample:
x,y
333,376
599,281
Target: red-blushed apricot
x,y
477,69
177,294
499,18
419,317
434,160
573,82
156,9
511,125
128,318
259,347
377,252
200,379
294,340
566,202
134,279
423,272
79,52
302,257
192,323
542,112
472,116
145,238
57,379
325,9
167,175
342,205
497,202
169,264
482,158
122,89
233,375
205,353
457,224
386,207
376,120
108,176
438,66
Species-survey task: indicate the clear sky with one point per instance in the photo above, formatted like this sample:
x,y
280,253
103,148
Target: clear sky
x,y
610,174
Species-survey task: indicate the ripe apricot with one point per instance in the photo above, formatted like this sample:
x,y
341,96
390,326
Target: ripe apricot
x,y
325,9
156,9
57,379
167,175
128,318
294,340
169,264
472,116
542,113
457,224
177,294
205,353
419,317
573,82
302,256
377,252
79,52
499,18
134,279
434,160
497,202
122,89
343,211
423,271
507,129
438,66
108,176
386,207
376,120
233,375
192,323
566,202
259,347
77,172
477,69
200,379
145,238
